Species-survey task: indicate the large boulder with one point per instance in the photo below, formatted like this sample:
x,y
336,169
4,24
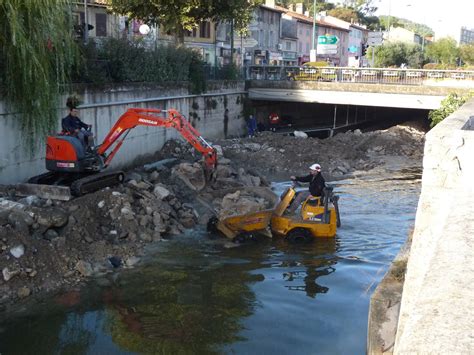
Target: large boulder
x,y
239,203
192,175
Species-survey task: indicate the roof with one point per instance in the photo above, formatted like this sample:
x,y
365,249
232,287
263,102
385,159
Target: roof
x,y
359,27
309,20
276,8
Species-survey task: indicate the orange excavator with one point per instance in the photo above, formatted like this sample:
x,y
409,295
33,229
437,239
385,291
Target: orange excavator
x,y
71,165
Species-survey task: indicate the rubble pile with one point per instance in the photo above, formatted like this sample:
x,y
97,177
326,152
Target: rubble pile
x,y
278,157
52,245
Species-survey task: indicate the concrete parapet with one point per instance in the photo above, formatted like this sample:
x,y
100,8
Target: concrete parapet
x,y
437,313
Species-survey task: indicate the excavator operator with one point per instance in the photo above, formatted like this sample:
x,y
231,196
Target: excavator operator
x,y
73,125
316,186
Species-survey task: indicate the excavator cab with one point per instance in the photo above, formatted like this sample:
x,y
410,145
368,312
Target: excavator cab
x,y
65,153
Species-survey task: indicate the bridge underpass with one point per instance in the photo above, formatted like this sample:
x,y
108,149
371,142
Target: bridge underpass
x,y
325,108
323,120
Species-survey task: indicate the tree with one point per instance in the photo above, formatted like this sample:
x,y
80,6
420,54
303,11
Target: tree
x,y
320,5
37,52
345,14
176,16
398,53
389,21
444,51
467,53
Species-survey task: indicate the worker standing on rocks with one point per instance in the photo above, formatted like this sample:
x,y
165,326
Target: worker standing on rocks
x,y
316,186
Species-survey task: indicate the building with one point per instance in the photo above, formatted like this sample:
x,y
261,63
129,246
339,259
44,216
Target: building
x,y
289,40
94,12
400,34
304,40
358,35
201,39
265,30
467,36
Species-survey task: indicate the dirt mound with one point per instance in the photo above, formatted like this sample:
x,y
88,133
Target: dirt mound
x,y
279,156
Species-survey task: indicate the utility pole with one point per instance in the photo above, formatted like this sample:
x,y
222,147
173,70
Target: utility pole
x,y
232,42
86,23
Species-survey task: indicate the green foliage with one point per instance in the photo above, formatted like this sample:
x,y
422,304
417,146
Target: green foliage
x,y
179,15
346,14
398,53
439,66
467,53
443,51
449,105
119,60
37,51
393,21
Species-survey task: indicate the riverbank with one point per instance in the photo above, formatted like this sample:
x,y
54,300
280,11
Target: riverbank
x,y
47,246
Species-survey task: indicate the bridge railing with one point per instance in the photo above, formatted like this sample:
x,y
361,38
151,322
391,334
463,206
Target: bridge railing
x,y
360,75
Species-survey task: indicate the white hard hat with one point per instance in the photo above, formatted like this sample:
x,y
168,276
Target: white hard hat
x,y
315,167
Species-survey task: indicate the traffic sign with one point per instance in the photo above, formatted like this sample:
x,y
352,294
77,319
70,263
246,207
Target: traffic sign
x,y
374,41
328,39
247,42
323,50
375,35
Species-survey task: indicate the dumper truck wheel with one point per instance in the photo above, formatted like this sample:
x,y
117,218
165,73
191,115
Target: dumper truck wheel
x,y
212,224
299,236
244,238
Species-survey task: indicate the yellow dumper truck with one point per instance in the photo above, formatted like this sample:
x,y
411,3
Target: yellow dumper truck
x,y
319,218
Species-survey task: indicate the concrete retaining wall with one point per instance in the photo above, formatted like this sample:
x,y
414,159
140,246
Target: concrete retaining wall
x,y
103,106
437,313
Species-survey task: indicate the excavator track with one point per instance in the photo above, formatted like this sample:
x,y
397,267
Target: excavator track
x,y
96,182
60,186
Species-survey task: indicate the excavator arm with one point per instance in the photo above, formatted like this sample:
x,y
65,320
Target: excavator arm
x,y
157,118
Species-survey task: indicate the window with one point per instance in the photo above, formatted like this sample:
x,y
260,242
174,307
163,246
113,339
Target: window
x,y
205,29
288,45
192,33
307,47
300,47
101,25
307,32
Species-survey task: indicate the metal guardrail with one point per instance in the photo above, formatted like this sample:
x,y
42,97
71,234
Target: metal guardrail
x,y
358,75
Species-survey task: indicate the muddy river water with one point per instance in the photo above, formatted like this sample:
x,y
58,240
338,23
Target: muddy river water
x,y
195,296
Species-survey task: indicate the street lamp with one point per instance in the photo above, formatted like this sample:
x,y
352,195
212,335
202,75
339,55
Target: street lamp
x,y
314,25
314,33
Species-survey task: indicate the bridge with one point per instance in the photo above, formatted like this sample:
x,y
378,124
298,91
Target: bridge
x,y
377,87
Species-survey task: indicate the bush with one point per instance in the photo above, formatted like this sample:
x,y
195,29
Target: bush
x,y
450,104
119,60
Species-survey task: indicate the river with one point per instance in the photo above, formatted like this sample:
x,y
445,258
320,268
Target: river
x,y
193,295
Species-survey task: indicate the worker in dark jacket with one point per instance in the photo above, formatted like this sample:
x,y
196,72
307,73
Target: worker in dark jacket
x,y
316,186
75,127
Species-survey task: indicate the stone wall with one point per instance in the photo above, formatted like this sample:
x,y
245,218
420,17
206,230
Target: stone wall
x,y
436,314
103,106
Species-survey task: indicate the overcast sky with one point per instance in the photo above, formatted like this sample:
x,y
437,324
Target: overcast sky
x,y
444,21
